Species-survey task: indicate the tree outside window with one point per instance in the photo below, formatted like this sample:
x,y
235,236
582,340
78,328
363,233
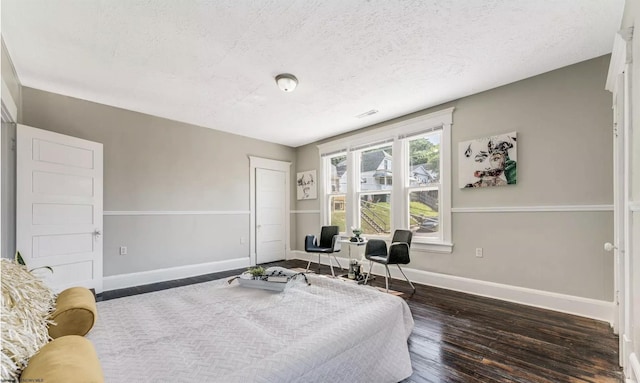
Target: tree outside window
x,y
423,189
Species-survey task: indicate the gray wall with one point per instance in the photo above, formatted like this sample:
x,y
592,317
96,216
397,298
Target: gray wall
x,y
563,119
155,164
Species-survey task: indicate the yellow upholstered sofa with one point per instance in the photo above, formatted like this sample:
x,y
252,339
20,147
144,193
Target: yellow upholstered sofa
x,y
43,334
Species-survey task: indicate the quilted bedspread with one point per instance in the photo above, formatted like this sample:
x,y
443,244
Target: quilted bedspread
x,y
330,331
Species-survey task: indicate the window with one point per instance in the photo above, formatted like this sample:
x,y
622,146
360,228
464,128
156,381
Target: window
x,y
336,187
374,192
399,177
422,191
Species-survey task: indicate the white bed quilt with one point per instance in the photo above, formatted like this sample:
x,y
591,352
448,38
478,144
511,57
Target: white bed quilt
x,y
331,331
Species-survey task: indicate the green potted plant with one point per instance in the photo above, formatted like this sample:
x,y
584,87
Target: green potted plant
x,y
356,234
257,272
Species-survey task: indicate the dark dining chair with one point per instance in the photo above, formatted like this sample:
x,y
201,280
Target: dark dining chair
x,y
329,244
397,254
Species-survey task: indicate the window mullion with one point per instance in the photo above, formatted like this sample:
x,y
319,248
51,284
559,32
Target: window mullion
x,y
353,205
399,208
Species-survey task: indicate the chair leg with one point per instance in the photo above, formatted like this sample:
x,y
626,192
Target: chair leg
x,y
331,265
308,264
387,275
339,265
405,277
369,273
318,263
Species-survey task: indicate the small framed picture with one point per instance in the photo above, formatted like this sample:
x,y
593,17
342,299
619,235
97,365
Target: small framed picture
x,y
307,185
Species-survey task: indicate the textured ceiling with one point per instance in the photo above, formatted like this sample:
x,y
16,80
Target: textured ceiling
x,y
213,63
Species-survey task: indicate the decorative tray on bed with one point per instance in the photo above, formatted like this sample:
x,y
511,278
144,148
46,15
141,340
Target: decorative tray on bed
x,y
273,278
263,284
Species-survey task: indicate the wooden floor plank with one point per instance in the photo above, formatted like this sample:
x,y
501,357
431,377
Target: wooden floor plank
x,y
465,338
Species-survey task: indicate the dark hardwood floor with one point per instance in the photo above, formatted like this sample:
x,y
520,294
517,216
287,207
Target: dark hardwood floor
x,y
465,338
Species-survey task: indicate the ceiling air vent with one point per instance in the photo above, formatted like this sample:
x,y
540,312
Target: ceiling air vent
x,y
369,113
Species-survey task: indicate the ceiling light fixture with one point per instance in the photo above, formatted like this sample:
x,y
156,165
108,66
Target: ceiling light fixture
x,y
287,82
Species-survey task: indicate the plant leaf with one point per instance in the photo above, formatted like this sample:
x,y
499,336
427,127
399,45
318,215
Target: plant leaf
x,y
19,260
44,267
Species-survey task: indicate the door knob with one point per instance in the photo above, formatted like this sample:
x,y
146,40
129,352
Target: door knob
x,y
97,233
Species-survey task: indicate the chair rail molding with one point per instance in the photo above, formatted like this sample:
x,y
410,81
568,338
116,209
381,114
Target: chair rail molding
x,y
176,212
532,209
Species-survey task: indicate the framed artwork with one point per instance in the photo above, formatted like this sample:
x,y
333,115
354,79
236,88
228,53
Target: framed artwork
x,y
488,161
307,185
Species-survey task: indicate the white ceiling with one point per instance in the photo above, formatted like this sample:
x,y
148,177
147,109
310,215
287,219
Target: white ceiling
x,y
213,63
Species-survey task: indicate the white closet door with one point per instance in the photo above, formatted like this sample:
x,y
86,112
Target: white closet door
x,y
59,207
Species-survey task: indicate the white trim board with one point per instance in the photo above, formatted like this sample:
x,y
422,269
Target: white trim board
x,y
635,368
121,281
531,209
9,108
176,212
585,307
389,129
620,55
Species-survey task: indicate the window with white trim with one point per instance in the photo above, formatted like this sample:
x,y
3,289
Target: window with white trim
x,y
375,188
335,190
394,177
422,184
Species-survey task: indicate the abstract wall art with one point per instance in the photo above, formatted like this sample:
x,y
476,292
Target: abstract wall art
x,y
488,161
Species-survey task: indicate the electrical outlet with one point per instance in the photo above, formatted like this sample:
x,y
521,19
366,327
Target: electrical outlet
x,y
123,250
479,252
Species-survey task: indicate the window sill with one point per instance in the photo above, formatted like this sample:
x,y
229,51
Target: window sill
x,y
432,247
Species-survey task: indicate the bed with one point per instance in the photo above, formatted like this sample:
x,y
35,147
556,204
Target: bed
x,y
329,331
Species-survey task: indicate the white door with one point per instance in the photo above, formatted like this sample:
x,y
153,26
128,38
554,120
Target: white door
x,y
270,215
619,83
59,207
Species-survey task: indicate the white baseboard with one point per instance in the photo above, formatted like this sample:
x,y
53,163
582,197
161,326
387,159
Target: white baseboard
x,y
590,308
121,281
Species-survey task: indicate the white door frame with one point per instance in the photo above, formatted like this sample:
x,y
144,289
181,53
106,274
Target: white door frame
x,y
9,112
265,163
619,83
